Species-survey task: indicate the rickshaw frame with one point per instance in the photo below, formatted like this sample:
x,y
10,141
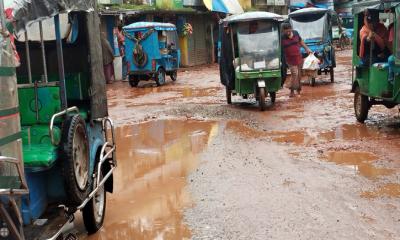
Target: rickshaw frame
x,y
102,158
370,83
324,50
259,82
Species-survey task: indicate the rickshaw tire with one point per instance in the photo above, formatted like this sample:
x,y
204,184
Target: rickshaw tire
x,y
133,81
273,96
364,105
162,71
174,75
228,95
75,195
312,82
88,214
332,74
261,99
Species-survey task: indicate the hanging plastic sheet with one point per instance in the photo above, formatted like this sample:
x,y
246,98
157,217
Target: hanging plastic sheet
x,y
26,12
224,6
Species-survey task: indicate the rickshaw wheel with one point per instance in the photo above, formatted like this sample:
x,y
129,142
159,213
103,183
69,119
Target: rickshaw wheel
x,y
174,75
228,95
313,82
273,96
332,73
133,80
160,77
261,99
94,211
361,105
75,160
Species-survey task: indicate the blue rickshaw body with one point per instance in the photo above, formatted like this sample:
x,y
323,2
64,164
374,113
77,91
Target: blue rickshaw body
x,y
46,184
169,59
319,42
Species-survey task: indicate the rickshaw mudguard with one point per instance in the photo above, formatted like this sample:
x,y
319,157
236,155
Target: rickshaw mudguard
x,y
246,81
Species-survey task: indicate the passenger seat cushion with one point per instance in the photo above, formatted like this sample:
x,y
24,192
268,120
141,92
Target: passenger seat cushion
x,y
37,148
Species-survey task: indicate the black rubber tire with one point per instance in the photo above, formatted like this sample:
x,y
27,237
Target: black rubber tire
x,y
88,213
312,82
133,80
174,75
272,96
75,194
261,99
332,74
228,95
160,80
361,105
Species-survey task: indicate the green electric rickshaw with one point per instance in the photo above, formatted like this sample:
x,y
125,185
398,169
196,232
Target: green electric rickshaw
x,y
376,75
250,60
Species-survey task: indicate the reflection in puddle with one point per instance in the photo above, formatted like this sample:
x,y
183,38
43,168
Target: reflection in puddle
x,y
243,130
294,137
361,162
388,190
154,159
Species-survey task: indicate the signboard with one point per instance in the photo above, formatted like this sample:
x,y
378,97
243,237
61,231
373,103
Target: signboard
x,y
169,4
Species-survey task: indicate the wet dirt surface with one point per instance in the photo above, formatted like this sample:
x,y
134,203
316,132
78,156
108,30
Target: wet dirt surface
x,y
193,167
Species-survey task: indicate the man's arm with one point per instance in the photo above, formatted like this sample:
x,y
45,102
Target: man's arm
x,y
308,50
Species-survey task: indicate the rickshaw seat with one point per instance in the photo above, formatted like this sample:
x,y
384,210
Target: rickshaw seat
x,y
49,104
37,147
381,65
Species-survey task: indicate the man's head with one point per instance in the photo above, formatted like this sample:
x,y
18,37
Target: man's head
x,y
287,29
253,27
371,18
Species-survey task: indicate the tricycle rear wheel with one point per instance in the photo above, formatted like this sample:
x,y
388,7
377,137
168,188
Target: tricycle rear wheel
x,y
228,95
174,75
94,211
133,80
332,73
361,105
160,77
312,81
261,99
273,96
75,160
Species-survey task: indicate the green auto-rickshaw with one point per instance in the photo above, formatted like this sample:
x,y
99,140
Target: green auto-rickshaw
x,y
375,76
250,61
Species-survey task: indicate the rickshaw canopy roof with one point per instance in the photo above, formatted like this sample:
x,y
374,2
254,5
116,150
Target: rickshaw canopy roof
x,y
155,25
26,12
252,16
374,5
307,11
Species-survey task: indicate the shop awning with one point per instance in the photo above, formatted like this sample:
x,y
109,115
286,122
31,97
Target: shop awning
x,y
224,6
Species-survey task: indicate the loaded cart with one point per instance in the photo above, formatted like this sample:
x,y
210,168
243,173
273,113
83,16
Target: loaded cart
x,y
57,150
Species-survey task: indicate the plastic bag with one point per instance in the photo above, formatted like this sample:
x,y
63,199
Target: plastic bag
x,y
311,62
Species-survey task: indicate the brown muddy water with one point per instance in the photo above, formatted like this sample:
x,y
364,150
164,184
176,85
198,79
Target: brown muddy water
x,y
154,160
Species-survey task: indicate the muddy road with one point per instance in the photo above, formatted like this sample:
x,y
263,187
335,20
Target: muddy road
x,y
192,167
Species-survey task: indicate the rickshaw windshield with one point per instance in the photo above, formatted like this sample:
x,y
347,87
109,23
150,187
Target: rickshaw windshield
x,y
312,28
172,39
258,44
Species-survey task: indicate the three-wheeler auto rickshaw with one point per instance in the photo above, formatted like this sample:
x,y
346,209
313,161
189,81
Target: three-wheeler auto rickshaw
x,y
152,52
250,61
57,152
376,79
315,27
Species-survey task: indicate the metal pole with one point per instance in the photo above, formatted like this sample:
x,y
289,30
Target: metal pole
x,y
43,52
61,73
212,43
28,56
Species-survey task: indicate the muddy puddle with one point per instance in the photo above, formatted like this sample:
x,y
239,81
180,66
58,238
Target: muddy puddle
x,y
154,159
121,94
391,190
362,163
